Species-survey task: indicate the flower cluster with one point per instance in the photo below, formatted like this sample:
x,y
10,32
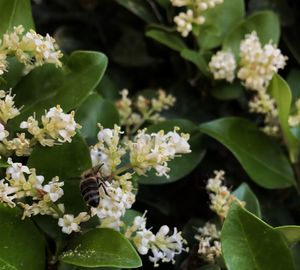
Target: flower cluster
x,y
70,224
163,245
58,127
257,66
194,15
155,150
135,113
29,48
222,65
209,242
220,197
114,200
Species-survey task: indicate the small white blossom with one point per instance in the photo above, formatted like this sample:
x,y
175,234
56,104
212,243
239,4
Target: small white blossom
x,y
258,64
7,106
7,193
57,127
209,242
20,145
16,170
3,133
70,224
54,190
222,65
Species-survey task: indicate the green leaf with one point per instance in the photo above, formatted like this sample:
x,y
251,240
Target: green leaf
x,y
96,110
14,74
244,193
142,9
281,92
265,23
21,244
227,91
102,247
48,86
218,21
293,80
171,40
183,165
291,233
67,161
197,59
130,215
260,156
250,244
14,13
108,89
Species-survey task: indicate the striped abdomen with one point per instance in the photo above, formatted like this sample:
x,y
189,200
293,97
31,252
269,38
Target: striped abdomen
x,y
90,191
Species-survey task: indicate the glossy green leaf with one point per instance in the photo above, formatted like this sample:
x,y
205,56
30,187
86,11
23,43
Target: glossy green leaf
x,y
67,161
102,247
291,233
281,92
197,59
66,266
169,39
250,244
108,89
266,25
260,156
293,80
142,9
21,244
245,194
14,13
180,166
96,110
14,74
48,86
218,21
227,91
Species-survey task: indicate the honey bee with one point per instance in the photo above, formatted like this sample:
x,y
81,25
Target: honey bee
x,y
90,182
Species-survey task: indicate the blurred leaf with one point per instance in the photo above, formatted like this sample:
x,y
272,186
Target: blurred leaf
x,y
96,110
65,266
164,3
183,165
291,233
21,244
14,74
197,59
293,80
48,86
129,216
108,89
102,247
244,193
142,9
281,92
250,244
67,161
171,40
266,25
218,21
260,156
227,91
14,13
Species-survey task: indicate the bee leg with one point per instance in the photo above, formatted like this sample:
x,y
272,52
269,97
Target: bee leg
x,y
103,185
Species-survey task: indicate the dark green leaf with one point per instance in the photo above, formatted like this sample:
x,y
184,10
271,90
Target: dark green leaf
x,y
102,247
250,244
67,161
171,40
266,25
108,89
259,155
96,110
281,92
142,9
48,86
14,74
130,215
218,21
14,13
180,166
227,91
291,233
21,244
293,80
197,59
244,193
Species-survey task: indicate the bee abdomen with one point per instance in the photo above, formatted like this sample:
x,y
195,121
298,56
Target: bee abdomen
x,y
90,191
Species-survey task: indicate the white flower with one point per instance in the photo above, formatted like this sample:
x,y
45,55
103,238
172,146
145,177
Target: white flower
x,y
185,20
258,64
20,145
16,170
54,190
70,224
222,65
7,193
3,133
7,106
3,63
